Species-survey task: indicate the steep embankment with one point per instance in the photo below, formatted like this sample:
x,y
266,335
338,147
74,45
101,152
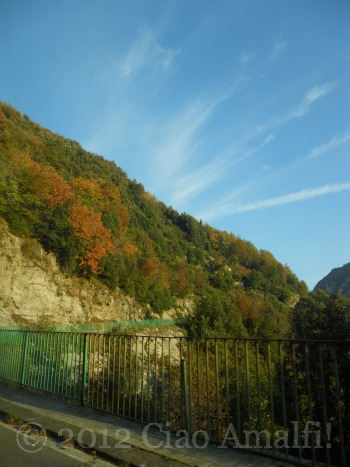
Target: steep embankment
x,y
32,288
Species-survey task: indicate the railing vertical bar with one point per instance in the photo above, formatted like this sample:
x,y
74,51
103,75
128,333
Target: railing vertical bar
x,y
199,387
124,374
142,376
113,375
34,360
102,357
64,361
46,361
208,385
54,369
41,360
296,442
169,380
85,368
85,341
57,362
155,386
217,393
238,407
148,378
257,363
247,378
136,376
163,383
184,385
189,371
66,347
61,362
272,409
70,365
309,393
130,374
183,415
108,374
95,373
227,384
324,400
29,359
76,371
339,408
100,373
10,363
119,376
24,359
283,391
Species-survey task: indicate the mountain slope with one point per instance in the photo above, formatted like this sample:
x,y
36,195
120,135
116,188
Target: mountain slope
x,y
102,226
337,279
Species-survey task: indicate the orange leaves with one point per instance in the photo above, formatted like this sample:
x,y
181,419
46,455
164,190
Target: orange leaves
x,y
181,282
151,267
104,195
90,187
2,116
130,249
94,238
155,271
43,181
88,200
243,304
214,239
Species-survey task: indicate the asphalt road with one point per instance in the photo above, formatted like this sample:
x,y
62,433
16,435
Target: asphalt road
x,y
14,447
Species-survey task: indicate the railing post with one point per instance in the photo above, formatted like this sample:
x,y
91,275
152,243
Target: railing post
x,y
84,373
24,358
186,396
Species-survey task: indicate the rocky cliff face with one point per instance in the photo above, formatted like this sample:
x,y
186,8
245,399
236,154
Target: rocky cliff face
x,y
32,288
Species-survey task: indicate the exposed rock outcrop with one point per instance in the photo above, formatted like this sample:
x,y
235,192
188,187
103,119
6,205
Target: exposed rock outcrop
x,y
32,287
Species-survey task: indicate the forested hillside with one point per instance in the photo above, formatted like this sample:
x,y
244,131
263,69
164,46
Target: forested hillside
x,y
337,280
103,226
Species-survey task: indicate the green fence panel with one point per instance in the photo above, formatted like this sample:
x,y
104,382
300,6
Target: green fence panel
x,y
53,362
11,351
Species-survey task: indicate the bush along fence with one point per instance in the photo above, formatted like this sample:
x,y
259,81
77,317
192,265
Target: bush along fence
x,y
281,397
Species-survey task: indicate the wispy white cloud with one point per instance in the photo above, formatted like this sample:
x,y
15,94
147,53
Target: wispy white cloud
x,y
302,195
335,142
316,93
183,134
146,51
277,49
245,58
312,96
194,183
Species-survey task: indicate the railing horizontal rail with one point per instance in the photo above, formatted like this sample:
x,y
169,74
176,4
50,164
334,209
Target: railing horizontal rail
x,y
285,397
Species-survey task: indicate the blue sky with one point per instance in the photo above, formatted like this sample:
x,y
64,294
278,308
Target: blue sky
x,y
234,111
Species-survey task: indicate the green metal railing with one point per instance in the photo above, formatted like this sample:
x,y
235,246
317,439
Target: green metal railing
x,y
282,397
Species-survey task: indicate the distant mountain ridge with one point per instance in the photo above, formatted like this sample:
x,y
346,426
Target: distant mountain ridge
x,y
337,279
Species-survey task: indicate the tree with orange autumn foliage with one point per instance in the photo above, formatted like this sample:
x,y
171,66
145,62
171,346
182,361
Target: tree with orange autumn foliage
x,y
43,181
130,249
104,196
94,239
